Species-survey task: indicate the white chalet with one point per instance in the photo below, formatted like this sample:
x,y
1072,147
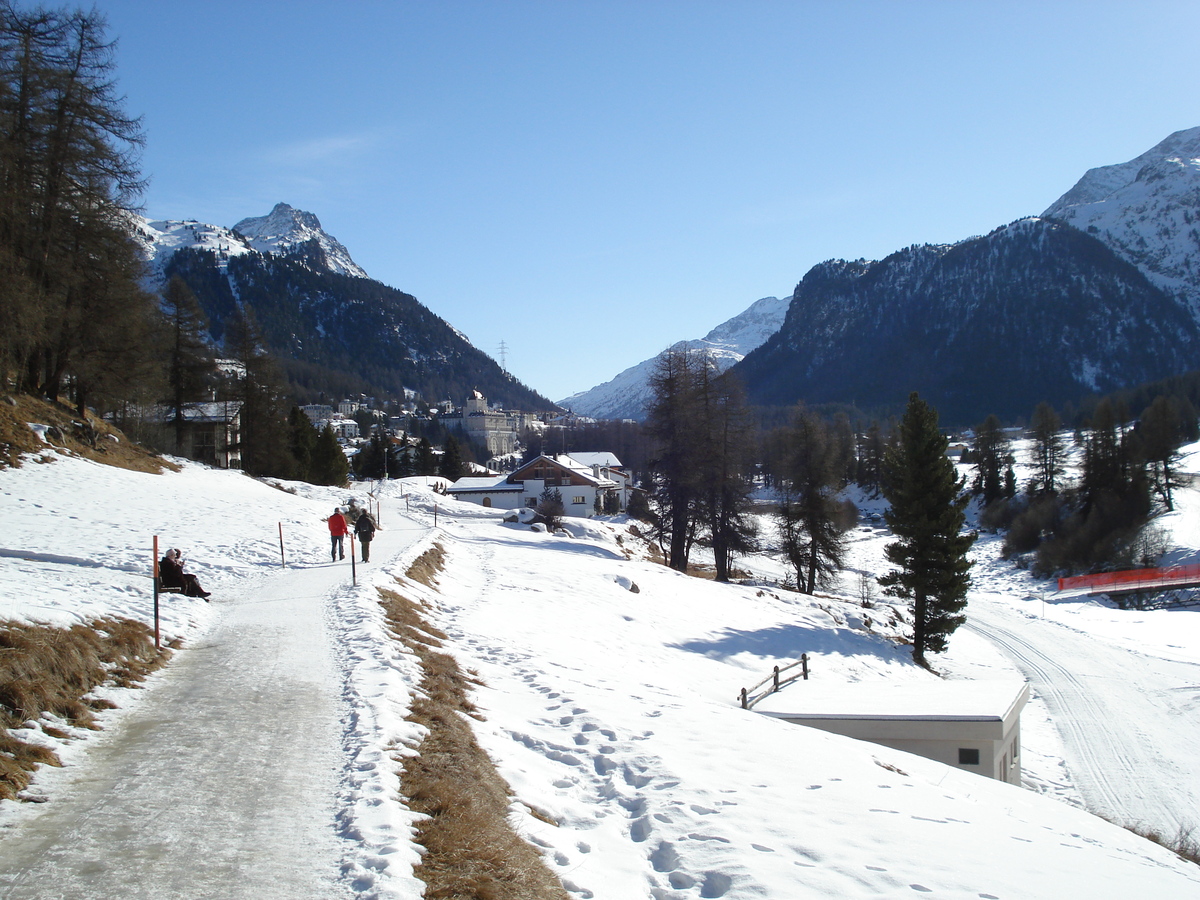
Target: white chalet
x,y
578,484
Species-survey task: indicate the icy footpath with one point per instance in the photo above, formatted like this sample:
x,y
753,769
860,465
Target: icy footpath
x,y
261,762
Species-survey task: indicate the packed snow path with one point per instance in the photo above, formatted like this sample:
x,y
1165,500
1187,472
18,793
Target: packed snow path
x,y
224,781
1127,719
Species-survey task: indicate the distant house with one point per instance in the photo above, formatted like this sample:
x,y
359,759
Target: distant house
x,y
971,725
211,433
578,484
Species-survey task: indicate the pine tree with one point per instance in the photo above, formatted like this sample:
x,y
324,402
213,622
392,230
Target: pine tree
x,y
451,465
426,462
265,435
992,459
927,517
1161,431
809,520
1048,450
672,421
329,462
302,442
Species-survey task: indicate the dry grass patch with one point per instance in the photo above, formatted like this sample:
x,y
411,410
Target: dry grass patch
x,y
67,433
425,567
471,852
51,670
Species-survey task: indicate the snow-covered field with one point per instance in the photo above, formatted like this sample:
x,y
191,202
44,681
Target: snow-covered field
x,y
613,712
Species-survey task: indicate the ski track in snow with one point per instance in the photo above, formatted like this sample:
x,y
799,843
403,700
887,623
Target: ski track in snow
x,y
1118,762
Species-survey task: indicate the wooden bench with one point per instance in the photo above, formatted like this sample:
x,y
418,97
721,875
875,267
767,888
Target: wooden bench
x,y
163,589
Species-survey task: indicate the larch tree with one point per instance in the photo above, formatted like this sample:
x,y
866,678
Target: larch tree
x,y
68,178
927,517
190,363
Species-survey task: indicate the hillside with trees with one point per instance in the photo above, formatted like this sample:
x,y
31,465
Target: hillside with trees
x,y
1050,307
340,335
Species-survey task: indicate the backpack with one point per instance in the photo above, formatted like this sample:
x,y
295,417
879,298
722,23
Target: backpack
x,y
365,526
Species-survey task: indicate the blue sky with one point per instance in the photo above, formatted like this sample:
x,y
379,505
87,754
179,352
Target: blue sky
x,y
589,182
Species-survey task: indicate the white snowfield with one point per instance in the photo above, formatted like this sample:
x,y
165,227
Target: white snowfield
x,y
262,762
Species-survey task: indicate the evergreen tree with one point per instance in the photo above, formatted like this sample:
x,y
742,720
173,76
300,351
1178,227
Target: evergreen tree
x,y
451,465
302,442
672,421
871,450
725,471
426,461
329,462
550,507
1161,431
191,366
1048,450
266,436
372,459
993,460
927,517
810,520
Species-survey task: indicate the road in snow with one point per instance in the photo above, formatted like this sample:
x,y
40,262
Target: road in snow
x,y
224,782
1127,718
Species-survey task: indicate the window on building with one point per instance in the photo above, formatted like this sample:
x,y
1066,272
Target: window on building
x,y
579,500
968,756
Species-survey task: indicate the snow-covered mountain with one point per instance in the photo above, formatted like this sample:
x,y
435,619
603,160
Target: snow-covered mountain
x,y
625,396
284,231
1148,211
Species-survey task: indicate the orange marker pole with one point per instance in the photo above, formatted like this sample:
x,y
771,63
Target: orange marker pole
x,y
154,568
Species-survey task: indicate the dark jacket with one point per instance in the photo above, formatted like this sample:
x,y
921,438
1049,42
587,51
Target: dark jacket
x,y
364,528
171,573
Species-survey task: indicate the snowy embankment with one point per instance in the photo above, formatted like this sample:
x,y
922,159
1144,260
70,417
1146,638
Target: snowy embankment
x,y
615,713
611,712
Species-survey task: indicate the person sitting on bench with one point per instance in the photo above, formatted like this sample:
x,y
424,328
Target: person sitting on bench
x,y
170,570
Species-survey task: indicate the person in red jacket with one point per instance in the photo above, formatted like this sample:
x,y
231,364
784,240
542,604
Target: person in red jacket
x,y
337,532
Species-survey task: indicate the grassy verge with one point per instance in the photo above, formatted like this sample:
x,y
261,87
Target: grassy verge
x,y
67,434
470,849
46,670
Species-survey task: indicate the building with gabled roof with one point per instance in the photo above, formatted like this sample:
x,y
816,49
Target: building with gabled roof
x,y
579,485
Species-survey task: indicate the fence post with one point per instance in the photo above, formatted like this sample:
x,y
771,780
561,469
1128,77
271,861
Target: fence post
x,y
435,506
776,688
282,558
154,568
804,665
744,699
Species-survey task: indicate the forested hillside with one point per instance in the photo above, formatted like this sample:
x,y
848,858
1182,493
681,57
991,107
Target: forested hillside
x,y
341,334
1035,311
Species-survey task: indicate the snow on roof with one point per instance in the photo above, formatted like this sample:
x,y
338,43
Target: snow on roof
x,y
596,458
479,484
991,700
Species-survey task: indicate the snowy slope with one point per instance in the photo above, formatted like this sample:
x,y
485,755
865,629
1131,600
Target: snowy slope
x,y
1148,211
281,232
625,396
612,712
284,228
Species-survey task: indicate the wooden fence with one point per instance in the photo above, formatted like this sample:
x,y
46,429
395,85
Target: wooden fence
x,y
749,698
